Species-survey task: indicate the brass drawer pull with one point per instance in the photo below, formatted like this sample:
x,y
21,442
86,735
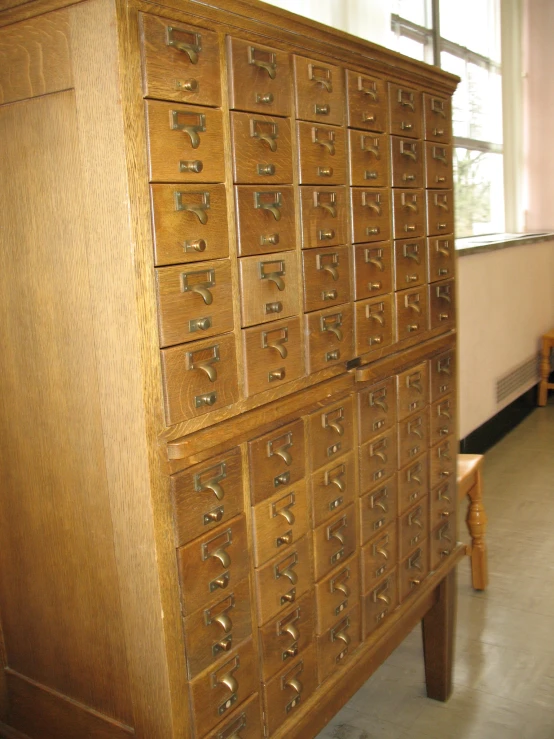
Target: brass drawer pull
x,y
266,169
441,494
269,239
233,730
197,245
412,302
332,324
415,427
321,76
439,153
217,547
277,343
370,148
374,285
328,420
206,365
191,129
275,273
205,399
267,131
368,87
329,295
377,398
380,592
325,171
413,518
339,632
282,450
368,117
413,473
295,684
375,450
264,60
212,483
265,98
328,143
201,287
444,452
414,381
379,500
380,547
443,293
406,126
444,410
198,210
200,324
225,675
219,614
409,202
288,625
220,582
335,477
276,375
187,85
273,206
287,570
443,365
375,257
441,201
194,165
329,205
443,247
326,234
191,49
414,562
437,106
334,531
376,312
276,307
444,532
372,201
408,149
284,539
285,509
328,263
411,251
338,583
406,99
214,516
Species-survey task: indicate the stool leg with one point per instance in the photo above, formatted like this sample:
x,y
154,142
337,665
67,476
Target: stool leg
x,y
477,525
545,372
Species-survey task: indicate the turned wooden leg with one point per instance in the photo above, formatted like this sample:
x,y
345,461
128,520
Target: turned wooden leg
x,y
545,371
477,525
438,640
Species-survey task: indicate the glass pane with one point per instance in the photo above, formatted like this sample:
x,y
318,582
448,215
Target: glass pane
x,y
474,24
479,193
409,47
416,11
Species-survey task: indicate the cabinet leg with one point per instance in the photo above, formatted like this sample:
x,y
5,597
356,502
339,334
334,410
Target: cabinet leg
x,y
477,526
544,372
438,627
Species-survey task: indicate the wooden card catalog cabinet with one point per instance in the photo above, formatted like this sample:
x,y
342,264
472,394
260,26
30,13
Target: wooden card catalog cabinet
x,y
228,430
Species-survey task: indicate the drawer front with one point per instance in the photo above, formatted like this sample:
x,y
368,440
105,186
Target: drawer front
x,y
377,460
405,111
330,337
189,223
206,495
379,558
262,149
290,689
414,527
378,509
441,257
378,604
279,522
438,118
281,581
211,566
180,62
333,487
213,631
276,460
273,355
377,408
442,465
443,503
334,542
413,436
412,571
443,374
331,432
287,636
337,593
367,102
443,541
244,722
369,159
413,482
223,687
319,91
268,287
443,419
442,304
412,390
259,78
410,258
182,140
326,274
412,313
440,212
194,301
438,166
199,377
373,324
324,216
266,219
336,645
409,213
322,154
372,270
407,162
370,215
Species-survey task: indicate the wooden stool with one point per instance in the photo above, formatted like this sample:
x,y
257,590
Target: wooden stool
x,y
469,480
547,344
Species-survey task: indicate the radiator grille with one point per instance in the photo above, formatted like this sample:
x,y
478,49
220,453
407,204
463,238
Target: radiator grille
x,y
518,380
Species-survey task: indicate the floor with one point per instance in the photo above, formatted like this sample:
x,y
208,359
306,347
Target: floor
x,y
504,666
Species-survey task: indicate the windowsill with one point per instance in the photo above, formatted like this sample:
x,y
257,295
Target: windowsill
x,y
493,242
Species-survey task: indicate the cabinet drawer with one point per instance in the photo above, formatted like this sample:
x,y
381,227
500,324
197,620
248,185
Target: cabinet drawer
x,y
259,78
262,149
281,581
180,62
338,643
332,488
413,436
194,301
379,603
410,258
412,391
222,687
199,377
405,111
379,558
442,465
412,313
407,162
189,223
413,527
336,593
409,213
213,564
182,141
330,337
443,419
279,521
367,101
443,503
213,631
438,166
441,257
369,159
326,274
377,460
372,270
334,541
443,374
373,324
377,408
331,432
324,216
273,355
442,304
413,482
440,212
412,571
322,154
443,541
370,215
287,636
378,509
319,91
206,495
438,118
276,460
268,287
266,219
289,689
244,722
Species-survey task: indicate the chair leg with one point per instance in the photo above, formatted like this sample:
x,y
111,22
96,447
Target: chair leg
x,y
545,372
477,525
